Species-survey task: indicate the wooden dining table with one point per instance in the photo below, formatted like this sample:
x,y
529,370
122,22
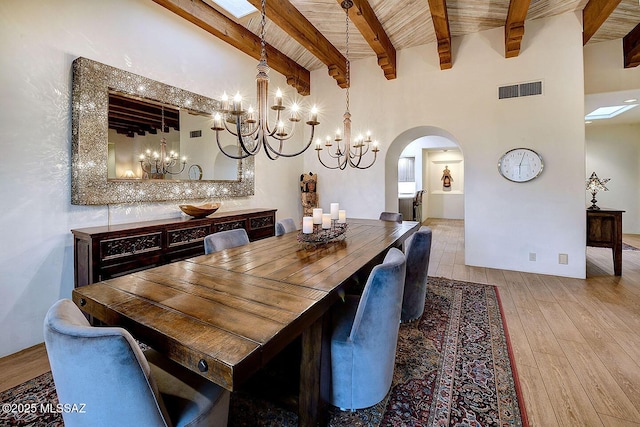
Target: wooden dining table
x,y
226,315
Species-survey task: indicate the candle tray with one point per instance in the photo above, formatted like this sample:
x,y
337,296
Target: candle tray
x,y
321,236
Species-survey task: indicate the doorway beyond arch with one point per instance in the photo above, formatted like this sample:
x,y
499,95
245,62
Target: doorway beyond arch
x,y
393,154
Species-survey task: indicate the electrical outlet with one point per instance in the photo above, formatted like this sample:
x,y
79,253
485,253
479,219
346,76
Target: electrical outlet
x,y
563,259
532,256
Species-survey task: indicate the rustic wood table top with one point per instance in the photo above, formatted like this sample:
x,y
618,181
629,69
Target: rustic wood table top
x,y
226,314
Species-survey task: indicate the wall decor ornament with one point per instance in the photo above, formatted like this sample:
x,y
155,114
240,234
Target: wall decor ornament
x,y
520,165
446,177
90,185
308,193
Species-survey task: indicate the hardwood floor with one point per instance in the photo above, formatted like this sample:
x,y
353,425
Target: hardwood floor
x,y
576,343
23,366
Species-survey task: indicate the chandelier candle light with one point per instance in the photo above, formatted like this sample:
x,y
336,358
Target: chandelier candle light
x,y
347,154
323,227
254,131
159,164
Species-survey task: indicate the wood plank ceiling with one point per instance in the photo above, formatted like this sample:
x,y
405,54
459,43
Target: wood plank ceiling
x,y
305,35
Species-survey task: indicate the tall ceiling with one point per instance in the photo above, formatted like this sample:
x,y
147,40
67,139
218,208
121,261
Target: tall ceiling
x,y
305,35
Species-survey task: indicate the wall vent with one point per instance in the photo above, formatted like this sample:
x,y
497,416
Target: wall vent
x,y
520,90
195,134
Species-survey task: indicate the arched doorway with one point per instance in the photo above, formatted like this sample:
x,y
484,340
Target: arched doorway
x,y
436,140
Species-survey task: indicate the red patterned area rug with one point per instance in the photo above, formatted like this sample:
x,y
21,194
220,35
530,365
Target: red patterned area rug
x,y
453,368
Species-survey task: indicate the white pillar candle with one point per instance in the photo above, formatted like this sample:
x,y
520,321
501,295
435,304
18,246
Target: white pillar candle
x,y
317,216
334,210
342,216
326,221
307,225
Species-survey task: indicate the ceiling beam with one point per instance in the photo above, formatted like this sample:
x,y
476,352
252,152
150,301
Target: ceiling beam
x,y
514,27
631,48
214,22
593,16
440,19
365,20
289,19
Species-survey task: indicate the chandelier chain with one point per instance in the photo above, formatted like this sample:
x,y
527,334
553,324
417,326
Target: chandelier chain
x,y
263,33
346,13
162,130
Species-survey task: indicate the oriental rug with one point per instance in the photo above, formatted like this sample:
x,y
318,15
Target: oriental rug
x,y
453,368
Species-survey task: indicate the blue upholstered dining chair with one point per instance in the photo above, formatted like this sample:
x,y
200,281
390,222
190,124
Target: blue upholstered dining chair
x,y
391,216
103,371
364,337
417,251
225,239
285,225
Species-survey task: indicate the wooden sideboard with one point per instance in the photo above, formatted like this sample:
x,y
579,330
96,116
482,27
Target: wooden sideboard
x,y
100,253
604,230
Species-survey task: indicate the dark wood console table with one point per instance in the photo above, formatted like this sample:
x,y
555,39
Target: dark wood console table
x,y
101,253
604,230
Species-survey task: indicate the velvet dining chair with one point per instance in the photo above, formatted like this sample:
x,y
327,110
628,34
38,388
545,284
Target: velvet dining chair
x,y
285,225
364,338
391,216
417,251
103,371
225,240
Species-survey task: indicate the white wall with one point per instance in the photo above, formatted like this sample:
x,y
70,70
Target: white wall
x,y
614,152
38,42
504,221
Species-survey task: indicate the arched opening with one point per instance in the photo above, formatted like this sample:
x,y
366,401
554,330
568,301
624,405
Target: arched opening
x,y
439,165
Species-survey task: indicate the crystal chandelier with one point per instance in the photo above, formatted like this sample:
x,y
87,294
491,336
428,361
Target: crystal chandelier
x,y
157,165
347,154
254,131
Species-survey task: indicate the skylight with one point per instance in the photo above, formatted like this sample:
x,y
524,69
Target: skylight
x,y
237,8
608,112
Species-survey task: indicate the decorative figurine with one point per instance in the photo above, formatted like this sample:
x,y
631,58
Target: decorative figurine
x,y
446,177
308,183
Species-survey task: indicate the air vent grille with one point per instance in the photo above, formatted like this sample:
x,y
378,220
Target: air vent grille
x,y
520,90
195,134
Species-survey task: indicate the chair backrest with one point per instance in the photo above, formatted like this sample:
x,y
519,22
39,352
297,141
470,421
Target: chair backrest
x,y
377,318
391,216
225,239
417,251
101,370
285,225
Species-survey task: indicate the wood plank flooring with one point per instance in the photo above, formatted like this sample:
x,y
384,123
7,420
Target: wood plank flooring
x,y
576,343
23,366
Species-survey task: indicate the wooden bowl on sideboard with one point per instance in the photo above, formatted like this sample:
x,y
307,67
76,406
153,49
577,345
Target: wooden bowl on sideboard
x,y
199,211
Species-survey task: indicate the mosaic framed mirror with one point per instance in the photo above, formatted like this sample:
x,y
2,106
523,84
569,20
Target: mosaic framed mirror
x,y
106,161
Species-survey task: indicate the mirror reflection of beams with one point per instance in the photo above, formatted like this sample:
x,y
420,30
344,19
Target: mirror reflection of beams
x,y
130,116
136,128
